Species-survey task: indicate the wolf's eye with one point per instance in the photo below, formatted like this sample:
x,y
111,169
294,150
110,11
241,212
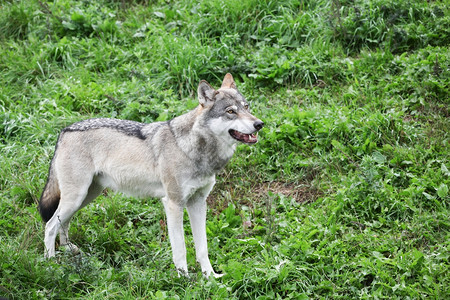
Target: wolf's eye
x,y
230,111
246,106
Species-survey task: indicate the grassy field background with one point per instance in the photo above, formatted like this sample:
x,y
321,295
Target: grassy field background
x,y
346,196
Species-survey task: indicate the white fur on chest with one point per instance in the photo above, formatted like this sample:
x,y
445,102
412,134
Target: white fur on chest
x,y
192,185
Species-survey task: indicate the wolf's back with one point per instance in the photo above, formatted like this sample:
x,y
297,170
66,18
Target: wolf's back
x,y
50,196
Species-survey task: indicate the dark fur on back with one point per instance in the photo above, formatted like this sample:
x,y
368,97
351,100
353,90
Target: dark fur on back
x,y
127,127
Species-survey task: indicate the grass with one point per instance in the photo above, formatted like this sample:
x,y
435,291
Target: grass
x,y
345,196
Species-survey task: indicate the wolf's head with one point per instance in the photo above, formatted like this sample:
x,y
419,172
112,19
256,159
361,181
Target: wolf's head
x,y
227,112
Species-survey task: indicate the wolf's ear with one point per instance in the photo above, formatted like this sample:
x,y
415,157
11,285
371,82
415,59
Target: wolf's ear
x,y
228,82
206,93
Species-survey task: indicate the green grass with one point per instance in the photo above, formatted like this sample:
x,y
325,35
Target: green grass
x,y
346,196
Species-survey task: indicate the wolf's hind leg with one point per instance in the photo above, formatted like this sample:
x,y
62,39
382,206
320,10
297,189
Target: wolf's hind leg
x,y
51,230
72,198
59,222
93,192
64,239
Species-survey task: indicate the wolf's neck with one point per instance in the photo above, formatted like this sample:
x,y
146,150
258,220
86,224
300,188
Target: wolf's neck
x,y
209,152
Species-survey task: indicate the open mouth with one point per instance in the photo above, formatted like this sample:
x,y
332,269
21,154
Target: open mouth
x,y
243,137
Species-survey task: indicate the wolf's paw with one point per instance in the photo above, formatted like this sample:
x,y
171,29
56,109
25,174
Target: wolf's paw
x,y
182,273
213,274
218,275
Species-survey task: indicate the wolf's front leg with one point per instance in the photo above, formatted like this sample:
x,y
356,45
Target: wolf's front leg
x,y
196,208
174,214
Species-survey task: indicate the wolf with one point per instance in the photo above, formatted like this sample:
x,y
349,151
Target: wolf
x,y
175,160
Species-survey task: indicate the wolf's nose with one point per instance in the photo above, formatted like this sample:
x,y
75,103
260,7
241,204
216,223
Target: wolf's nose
x,y
258,124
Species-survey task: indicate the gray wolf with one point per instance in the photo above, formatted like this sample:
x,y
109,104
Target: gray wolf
x,y
175,160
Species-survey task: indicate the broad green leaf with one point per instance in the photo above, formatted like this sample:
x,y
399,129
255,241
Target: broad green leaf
x,y
378,157
442,190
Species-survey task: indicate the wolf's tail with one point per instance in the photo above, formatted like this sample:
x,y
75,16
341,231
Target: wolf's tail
x,y
50,196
